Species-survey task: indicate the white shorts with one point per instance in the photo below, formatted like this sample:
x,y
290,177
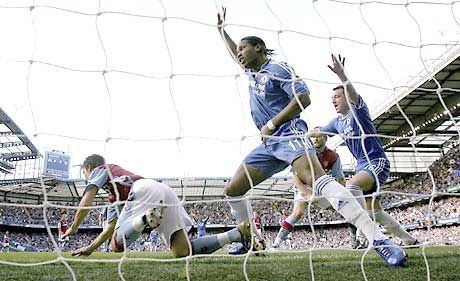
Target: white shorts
x,y
322,202
147,193
60,237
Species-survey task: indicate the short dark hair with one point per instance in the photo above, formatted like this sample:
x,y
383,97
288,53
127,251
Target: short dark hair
x,y
254,40
321,134
93,161
338,87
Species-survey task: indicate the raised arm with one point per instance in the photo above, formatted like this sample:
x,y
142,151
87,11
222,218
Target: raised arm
x,y
231,45
338,68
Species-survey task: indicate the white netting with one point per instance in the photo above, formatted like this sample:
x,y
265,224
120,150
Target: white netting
x,y
151,87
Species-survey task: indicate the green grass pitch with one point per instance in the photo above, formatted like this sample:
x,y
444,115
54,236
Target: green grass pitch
x,y
327,265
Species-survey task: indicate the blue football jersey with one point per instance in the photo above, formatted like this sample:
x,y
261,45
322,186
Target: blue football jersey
x,y
270,90
201,228
348,126
154,236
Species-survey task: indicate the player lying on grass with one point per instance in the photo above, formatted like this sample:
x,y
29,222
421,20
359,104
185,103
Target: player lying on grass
x,y
147,203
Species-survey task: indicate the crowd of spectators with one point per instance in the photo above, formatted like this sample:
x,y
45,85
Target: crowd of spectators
x,y
40,241
339,237
445,208
218,213
34,215
325,237
421,184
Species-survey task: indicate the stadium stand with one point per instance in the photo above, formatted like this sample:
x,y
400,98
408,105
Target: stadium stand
x,y
21,168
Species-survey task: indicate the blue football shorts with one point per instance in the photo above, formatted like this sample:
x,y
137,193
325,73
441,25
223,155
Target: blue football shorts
x,y
276,155
379,167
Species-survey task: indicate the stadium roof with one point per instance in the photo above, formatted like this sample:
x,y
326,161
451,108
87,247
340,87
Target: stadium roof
x,y
14,144
427,105
31,191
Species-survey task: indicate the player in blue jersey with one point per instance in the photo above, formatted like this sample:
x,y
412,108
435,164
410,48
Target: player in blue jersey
x,y
145,202
277,97
201,227
153,240
354,120
454,167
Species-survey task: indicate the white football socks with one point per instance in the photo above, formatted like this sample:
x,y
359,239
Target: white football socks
x,y
345,203
242,211
358,193
393,226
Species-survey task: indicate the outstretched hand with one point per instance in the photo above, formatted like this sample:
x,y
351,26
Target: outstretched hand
x,y
221,17
83,251
337,64
68,232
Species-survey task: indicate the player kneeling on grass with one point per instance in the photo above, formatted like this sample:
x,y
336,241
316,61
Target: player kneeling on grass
x,y
147,202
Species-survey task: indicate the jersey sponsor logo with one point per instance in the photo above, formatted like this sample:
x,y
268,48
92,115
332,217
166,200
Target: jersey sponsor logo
x,y
257,88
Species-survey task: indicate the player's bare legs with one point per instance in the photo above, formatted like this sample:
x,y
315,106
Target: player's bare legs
x,y
238,186
305,171
287,226
180,244
340,198
367,182
302,165
240,207
299,209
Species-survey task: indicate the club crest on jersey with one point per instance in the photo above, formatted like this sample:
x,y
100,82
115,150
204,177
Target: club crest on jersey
x,y
264,80
348,131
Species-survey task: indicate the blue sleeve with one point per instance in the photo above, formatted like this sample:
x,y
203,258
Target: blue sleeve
x,y
112,212
456,172
458,164
329,128
298,86
336,170
97,179
360,104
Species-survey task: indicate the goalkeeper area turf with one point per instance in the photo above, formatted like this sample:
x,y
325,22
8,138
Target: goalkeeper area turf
x,y
443,264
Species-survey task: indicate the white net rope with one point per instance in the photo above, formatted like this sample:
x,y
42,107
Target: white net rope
x,y
158,81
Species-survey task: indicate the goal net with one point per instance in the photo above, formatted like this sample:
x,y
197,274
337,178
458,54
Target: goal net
x,y
151,87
